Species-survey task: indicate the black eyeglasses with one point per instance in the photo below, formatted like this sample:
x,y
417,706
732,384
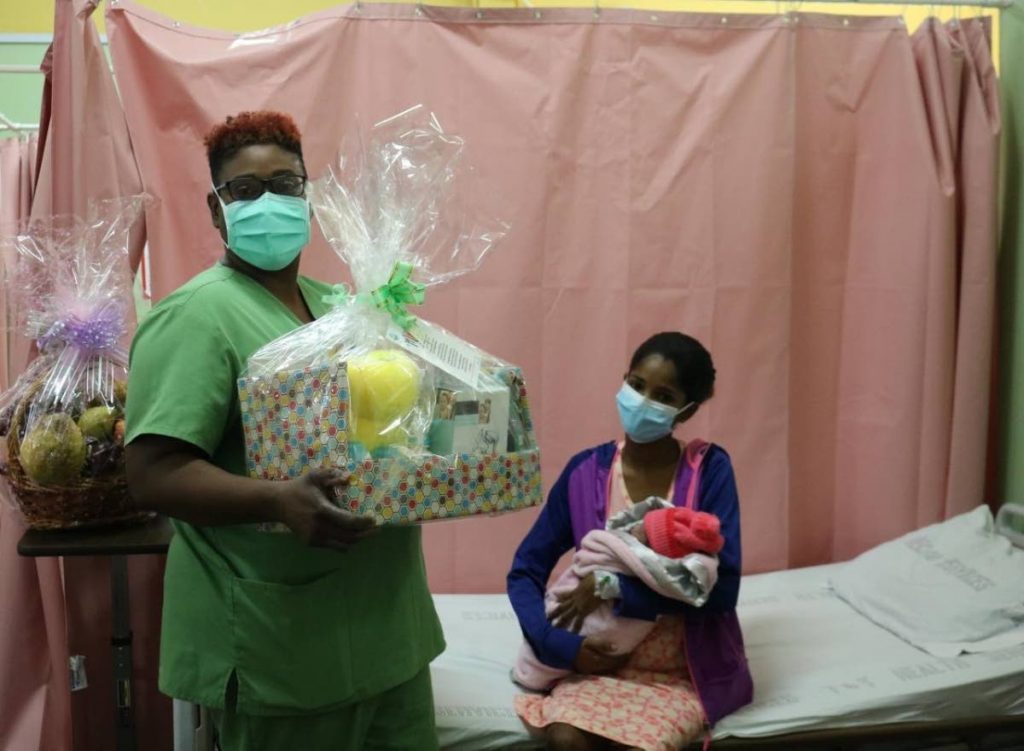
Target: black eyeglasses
x,y
250,187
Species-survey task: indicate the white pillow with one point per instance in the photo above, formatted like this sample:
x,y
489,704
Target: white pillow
x,y
949,588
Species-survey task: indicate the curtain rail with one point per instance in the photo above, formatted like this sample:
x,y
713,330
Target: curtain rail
x,y
7,124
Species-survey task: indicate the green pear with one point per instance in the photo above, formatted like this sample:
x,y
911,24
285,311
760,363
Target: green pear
x,y
98,422
53,452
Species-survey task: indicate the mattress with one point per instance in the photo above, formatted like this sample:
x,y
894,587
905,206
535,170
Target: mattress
x,y
817,665
473,692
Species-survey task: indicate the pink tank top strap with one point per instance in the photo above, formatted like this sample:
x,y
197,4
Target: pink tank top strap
x,y
694,455
618,496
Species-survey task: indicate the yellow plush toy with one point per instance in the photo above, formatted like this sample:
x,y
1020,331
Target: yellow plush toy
x,y
374,435
384,385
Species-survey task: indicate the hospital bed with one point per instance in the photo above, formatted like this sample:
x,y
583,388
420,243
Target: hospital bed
x,y
825,677
823,674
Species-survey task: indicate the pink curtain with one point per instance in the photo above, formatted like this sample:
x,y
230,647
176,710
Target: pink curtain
x,y
962,108
17,182
781,187
977,240
34,706
63,607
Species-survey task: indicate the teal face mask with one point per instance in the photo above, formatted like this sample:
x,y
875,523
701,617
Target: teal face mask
x,y
643,420
269,232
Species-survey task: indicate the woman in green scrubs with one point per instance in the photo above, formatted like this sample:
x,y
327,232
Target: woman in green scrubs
x,y
317,640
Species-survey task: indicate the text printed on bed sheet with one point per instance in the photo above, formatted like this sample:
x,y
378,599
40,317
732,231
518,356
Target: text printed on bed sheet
x,y
952,566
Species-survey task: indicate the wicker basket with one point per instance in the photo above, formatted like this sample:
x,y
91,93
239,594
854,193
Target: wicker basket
x,y
89,502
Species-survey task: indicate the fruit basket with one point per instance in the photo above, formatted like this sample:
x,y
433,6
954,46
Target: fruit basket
x,y
62,422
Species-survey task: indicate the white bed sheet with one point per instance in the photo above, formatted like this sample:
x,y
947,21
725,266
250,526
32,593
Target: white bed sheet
x,y
473,692
817,665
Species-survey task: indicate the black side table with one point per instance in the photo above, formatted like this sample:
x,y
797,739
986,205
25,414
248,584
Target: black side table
x,y
149,538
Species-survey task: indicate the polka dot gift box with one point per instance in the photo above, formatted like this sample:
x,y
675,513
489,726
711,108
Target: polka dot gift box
x,y
301,420
295,421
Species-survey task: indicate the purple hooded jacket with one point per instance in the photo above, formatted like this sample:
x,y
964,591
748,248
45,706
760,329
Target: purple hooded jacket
x,y
576,505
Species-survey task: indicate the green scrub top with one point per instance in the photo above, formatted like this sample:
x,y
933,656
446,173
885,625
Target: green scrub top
x,y
304,629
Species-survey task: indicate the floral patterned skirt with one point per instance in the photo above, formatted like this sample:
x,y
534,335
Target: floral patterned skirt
x,y
649,704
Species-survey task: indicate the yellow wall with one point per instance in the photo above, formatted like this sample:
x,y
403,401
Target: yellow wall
x,y
36,16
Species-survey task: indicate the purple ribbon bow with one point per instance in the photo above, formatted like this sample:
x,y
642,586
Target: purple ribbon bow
x,y
101,331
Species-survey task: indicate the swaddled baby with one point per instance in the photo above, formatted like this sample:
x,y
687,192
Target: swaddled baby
x,y
670,549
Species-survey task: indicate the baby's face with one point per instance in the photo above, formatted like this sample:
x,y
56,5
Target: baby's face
x,y
638,532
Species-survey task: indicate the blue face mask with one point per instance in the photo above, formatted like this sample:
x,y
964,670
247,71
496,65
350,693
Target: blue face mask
x,y
269,232
643,420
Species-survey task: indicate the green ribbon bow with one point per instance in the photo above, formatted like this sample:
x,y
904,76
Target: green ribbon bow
x,y
393,297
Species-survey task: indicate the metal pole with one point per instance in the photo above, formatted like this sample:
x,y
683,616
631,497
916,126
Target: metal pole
x,y
121,646
6,122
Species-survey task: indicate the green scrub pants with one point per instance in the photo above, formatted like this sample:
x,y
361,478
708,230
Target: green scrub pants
x,y
400,719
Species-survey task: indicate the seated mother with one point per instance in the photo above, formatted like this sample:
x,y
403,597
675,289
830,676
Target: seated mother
x,y
691,670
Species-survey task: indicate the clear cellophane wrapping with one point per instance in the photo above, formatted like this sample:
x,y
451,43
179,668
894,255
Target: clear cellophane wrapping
x,y
430,426
62,421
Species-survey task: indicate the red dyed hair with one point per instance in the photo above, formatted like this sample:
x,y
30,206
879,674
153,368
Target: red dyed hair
x,y
249,129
